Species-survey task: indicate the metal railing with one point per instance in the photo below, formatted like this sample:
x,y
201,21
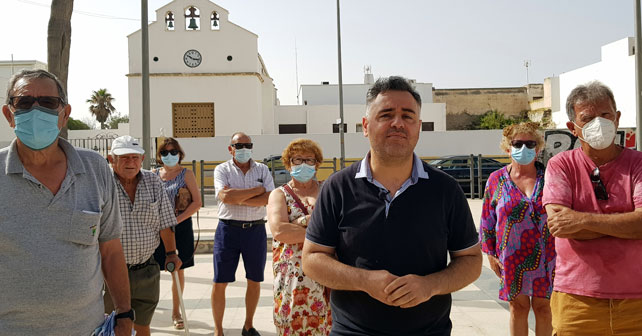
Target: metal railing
x,y
473,181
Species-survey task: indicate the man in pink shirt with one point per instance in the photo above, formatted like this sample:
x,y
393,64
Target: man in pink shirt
x,y
593,197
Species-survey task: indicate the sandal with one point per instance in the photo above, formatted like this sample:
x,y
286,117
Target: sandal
x,y
179,324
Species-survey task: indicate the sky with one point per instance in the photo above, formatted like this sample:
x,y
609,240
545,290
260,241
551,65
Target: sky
x,y
452,44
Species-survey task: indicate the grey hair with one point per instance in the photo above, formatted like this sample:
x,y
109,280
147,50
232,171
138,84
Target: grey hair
x,y
592,93
392,83
238,133
34,74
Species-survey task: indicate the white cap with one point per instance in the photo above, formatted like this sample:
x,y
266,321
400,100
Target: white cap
x,y
126,145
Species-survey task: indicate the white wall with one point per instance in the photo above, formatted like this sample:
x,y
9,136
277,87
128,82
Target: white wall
x,y
237,102
356,145
353,94
616,70
6,71
320,118
123,129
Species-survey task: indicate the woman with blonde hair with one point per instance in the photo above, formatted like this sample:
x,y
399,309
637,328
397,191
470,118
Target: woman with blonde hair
x,y
301,305
514,234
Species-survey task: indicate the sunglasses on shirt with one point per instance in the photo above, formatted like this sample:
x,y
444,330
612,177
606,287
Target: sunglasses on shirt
x,y
26,102
598,186
530,144
243,145
164,152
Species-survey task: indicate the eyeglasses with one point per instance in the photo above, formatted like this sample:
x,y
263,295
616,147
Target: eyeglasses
x,y
598,185
243,145
530,144
164,152
298,161
26,102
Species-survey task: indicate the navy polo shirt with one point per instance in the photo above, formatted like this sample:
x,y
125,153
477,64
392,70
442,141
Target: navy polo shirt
x,y
410,232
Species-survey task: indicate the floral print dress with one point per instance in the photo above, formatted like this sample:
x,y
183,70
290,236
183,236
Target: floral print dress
x,y
301,305
513,229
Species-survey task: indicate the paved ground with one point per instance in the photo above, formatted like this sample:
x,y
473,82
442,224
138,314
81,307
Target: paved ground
x,y
476,310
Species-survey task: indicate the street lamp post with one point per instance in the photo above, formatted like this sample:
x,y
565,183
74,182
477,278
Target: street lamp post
x,y
638,76
341,135
145,81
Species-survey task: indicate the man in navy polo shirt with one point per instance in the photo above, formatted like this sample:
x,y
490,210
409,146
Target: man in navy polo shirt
x,y
382,229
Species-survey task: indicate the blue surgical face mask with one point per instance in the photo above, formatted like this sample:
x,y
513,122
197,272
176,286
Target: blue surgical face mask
x,y
170,160
37,128
243,155
523,155
303,172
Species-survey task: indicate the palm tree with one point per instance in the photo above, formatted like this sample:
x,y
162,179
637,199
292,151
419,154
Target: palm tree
x,y
59,42
101,106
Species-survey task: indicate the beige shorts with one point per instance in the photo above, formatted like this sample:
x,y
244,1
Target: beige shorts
x,y
587,316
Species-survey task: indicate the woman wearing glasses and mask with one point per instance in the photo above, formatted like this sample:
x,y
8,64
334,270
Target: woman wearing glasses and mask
x,y
301,305
514,234
182,190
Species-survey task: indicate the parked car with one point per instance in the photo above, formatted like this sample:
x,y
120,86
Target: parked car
x,y
458,166
280,175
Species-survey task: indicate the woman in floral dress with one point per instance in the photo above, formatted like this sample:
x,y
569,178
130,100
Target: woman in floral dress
x,y
301,305
514,234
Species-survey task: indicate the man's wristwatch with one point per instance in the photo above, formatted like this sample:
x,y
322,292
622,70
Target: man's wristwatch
x,y
128,314
169,253
304,221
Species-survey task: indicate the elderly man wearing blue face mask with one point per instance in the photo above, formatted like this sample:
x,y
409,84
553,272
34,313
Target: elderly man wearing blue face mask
x,y
59,221
242,188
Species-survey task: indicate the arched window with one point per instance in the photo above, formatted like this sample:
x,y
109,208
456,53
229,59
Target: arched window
x,y
192,18
169,21
215,21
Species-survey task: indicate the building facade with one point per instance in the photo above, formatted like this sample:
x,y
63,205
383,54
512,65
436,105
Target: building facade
x,y
7,69
206,76
616,69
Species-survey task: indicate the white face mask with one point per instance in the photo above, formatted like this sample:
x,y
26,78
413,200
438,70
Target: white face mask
x,y
598,133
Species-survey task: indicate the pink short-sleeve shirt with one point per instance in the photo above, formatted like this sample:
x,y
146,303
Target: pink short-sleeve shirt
x,y
606,267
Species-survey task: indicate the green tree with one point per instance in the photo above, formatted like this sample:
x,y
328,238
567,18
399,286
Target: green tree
x,y
493,119
74,124
101,106
116,119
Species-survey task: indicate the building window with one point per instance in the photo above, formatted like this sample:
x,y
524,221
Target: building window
x,y
169,21
292,128
192,18
214,21
335,128
359,128
428,126
193,120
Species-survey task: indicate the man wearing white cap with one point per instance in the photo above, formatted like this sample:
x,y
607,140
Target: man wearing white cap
x,y
146,211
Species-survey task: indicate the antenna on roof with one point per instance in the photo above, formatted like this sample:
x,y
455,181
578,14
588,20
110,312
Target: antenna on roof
x,y
296,70
368,77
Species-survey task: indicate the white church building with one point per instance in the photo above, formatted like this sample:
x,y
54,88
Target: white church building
x,y
207,79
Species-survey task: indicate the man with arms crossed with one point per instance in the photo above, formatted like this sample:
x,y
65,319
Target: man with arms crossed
x,y
593,197
382,229
59,221
242,188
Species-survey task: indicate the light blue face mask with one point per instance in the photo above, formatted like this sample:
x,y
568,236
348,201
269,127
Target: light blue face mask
x,y
170,160
303,172
523,155
243,155
37,128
